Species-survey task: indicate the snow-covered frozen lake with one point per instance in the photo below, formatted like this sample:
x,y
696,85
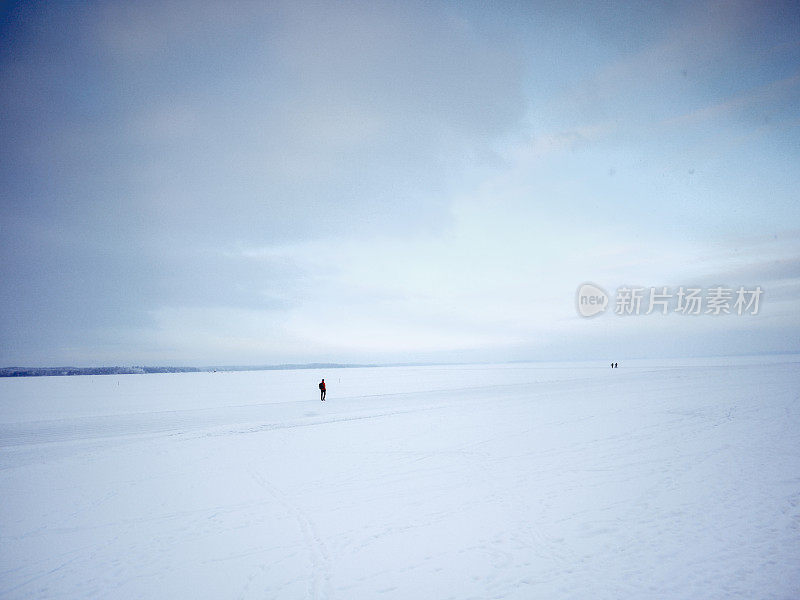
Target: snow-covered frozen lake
x,y
666,480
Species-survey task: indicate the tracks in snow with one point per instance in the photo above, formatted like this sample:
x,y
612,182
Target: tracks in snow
x,y
319,586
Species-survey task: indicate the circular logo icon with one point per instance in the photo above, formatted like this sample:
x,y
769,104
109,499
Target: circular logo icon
x,y
591,300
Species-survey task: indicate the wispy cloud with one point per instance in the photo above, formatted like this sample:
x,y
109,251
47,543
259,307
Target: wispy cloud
x,y
762,97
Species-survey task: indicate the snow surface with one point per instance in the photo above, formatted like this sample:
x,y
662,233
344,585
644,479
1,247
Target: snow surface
x,y
521,481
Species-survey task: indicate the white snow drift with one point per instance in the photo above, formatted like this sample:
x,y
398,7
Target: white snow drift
x,y
505,481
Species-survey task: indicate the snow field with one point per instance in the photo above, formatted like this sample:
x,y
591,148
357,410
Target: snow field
x,y
482,481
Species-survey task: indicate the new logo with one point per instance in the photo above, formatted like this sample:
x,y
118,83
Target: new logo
x,y
591,300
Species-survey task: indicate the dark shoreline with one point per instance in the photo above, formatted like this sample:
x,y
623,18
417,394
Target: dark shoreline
x,y
137,370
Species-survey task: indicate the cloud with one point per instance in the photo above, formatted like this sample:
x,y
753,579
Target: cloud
x,y
153,138
339,115
198,182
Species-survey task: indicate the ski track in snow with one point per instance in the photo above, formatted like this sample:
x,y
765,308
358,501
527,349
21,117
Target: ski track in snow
x,y
511,482
320,575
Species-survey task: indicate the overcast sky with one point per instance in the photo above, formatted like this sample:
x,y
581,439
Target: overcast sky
x,y
218,183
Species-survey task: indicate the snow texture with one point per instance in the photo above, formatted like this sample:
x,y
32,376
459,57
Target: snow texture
x,y
519,481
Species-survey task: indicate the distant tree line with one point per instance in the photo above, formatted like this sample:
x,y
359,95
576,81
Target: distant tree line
x,y
50,371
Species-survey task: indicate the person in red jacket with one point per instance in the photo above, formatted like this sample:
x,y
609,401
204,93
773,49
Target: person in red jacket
x,y
322,390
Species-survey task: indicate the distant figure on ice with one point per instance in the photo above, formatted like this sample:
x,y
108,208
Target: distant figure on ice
x,y
616,365
322,390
